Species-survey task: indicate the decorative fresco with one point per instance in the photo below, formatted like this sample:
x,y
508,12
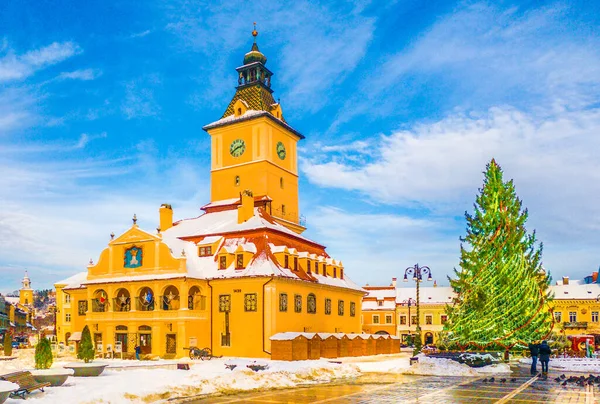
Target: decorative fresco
x,y
133,257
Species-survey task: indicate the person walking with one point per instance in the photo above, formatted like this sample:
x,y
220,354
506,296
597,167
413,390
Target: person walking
x,y
534,350
545,352
137,352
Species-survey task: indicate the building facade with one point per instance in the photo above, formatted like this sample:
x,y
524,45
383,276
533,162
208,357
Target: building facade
x,y
230,278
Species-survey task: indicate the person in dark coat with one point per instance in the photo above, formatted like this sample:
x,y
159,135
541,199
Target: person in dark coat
x,y
138,350
534,350
545,352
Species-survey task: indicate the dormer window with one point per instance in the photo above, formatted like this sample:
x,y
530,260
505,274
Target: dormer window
x,y
316,268
335,272
239,111
222,262
341,273
380,303
308,266
295,263
239,261
205,251
324,269
286,263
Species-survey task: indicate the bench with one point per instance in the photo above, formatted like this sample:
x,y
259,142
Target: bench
x,y
26,383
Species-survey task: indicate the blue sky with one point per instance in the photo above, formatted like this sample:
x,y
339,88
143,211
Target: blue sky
x,y
402,105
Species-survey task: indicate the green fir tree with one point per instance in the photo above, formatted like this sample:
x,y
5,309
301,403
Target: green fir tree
x,y
502,290
8,344
43,354
86,347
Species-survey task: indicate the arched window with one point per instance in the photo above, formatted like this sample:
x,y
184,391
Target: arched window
x,y
146,299
428,338
170,298
122,300
311,303
100,301
196,301
239,111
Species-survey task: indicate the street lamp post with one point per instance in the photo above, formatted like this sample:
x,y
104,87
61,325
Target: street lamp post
x,y
409,302
417,272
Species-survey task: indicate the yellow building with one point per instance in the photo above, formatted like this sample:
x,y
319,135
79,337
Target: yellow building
x,y
20,310
232,277
576,307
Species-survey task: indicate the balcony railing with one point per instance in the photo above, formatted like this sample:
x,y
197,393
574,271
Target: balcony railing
x,y
98,307
120,304
169,303
142,305
575,324
197,303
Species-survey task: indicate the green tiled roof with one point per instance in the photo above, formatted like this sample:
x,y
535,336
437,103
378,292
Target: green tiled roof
x,y
258,98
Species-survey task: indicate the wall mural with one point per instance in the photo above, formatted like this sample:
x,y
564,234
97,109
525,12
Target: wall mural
x,y
133,257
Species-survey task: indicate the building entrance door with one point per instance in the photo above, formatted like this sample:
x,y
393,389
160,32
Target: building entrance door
x,y
122,338
171,343
145,343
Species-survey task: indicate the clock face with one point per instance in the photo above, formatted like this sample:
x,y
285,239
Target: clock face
x,y
237,148
281,150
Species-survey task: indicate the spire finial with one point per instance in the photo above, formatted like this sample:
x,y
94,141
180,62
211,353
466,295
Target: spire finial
x,y
254,33
134,219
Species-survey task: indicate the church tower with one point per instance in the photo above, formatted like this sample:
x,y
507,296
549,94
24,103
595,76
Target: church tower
x,y
26,293
253,147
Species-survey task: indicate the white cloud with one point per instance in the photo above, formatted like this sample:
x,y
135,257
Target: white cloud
x,y
140,34
82,74
14,67
139,100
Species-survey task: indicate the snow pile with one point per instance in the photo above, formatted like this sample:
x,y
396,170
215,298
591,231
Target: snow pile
x,y
123,386
7,386
398,365
448,367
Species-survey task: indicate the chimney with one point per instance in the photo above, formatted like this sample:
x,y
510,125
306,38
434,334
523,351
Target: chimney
x,y
394,282
166,216
246,208
565,280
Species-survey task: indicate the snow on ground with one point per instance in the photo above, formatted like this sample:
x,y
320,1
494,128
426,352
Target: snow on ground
x,y
568,364
448,367
139,385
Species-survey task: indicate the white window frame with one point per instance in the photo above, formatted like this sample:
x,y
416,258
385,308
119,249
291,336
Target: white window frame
x,y
572,317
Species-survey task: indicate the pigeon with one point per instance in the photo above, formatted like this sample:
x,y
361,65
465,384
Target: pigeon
x,y
492,380
484,380
513,380
503,380
563,377
558,380
564,384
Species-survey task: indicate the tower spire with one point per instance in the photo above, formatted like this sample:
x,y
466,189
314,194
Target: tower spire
x,y
254,33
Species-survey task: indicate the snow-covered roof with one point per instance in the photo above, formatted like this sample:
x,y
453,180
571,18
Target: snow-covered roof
x,y
232,118
132,278
12,299
576,290
286,336
73,282
210,240
431,294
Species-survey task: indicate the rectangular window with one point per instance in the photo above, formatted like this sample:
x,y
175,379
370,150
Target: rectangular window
x,y
327,306
402,320
388,319
443,318
286,261
67,317
353,309
250,302
224,303
335,272
298,303
239,261
429,319
341,273
283,302
205,251
558,316
222,262
340,307
67,298
413,320
375,318
295,263
82,307
380,303
308,266
324,269
594,316
573,316
316,268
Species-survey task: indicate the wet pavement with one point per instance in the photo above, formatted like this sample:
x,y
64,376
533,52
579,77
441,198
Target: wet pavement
x,y
388,388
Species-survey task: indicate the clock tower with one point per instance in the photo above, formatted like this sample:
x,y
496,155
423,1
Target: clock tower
x,y
253,147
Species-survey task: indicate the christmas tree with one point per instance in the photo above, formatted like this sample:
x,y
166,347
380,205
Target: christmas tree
x,y
86,348
502,290
8,343
43,354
